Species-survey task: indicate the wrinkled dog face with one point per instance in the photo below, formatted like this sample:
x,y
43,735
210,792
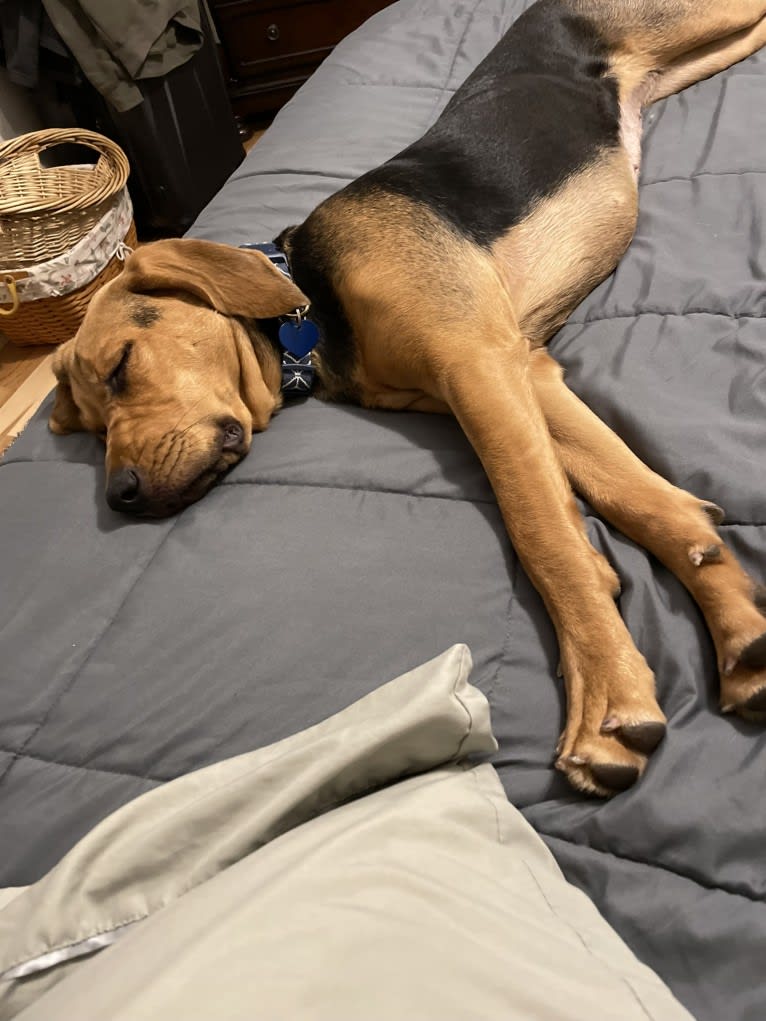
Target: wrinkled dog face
x,y
166,374
138,375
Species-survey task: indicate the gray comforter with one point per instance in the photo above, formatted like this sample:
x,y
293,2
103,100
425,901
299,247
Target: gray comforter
x,y
352,545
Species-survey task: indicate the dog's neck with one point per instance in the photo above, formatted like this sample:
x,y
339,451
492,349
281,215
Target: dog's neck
x,y
310,264
264,338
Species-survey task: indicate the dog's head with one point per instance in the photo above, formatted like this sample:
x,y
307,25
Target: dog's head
x,y
164,369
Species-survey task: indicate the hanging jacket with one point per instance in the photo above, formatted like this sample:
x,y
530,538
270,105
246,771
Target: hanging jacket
x,y
118,44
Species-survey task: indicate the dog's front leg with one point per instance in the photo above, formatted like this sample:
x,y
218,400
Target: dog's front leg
x,y
613,719
677,527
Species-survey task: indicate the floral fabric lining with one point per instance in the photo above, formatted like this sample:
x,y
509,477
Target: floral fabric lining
x,y
82,263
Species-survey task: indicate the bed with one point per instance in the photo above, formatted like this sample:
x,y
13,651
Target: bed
x,y
351,545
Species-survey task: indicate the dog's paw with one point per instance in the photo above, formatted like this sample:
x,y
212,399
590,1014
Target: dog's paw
x,y
743,682
612,760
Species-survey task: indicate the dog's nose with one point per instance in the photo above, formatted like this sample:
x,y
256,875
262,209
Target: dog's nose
x,y
124,493
232,435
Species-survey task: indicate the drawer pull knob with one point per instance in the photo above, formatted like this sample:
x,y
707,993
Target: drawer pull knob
x,y
272,32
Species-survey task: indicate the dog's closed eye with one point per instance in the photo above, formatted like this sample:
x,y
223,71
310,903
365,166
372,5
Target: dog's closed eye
x,y
117,381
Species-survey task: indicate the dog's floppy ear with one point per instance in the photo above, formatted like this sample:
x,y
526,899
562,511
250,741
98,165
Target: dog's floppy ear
x,y
65,417
234,281
258,398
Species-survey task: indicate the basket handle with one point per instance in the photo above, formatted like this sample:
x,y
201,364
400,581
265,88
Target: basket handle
x,y
39,141
35,142
10,283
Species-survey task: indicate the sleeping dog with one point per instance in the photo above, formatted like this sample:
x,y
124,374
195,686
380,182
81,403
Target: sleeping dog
x,y
513,206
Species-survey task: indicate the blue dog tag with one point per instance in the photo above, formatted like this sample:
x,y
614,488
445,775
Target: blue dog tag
x,y
298,338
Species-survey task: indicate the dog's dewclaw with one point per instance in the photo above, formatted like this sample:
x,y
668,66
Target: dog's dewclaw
x,y
699,556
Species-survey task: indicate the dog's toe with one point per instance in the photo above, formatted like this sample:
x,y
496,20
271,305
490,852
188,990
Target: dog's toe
x,y
714,512
753,707
644,737
614,777
743,682
757,701
641,735
605,765
754,656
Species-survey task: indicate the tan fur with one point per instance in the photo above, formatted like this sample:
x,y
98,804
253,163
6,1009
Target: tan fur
x,y
463,334
568,244
669,522
191,367
392,311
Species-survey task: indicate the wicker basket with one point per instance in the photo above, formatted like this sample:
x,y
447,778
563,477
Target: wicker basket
x,y
46,211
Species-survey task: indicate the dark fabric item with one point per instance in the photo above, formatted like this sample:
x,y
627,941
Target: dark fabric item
x,y
25,29
352,545
20,25
117,44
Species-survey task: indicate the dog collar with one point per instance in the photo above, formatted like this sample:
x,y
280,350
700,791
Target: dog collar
x,y
298,335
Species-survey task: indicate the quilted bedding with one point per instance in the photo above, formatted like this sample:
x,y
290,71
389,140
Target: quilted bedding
x,y
352,545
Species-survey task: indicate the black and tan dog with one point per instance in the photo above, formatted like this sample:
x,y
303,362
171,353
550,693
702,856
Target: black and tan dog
x,y
518,201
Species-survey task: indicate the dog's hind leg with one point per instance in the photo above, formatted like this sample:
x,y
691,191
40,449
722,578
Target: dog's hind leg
x,y
659,47
661,32
675,526
707,60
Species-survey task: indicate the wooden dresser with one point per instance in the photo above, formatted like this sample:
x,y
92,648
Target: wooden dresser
x,y
270,47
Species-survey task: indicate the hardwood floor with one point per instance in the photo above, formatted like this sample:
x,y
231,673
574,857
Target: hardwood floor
x,y
26,377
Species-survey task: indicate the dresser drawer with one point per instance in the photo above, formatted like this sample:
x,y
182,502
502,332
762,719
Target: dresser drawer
x,y
270,47
269,37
